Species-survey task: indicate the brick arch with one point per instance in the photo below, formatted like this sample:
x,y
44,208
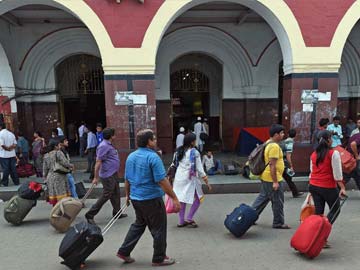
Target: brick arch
x,y
278,15
79,9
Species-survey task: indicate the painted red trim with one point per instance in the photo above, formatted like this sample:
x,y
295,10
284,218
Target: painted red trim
x,y
43,37
232,37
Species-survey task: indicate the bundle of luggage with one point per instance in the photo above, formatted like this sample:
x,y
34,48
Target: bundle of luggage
x,y
16,209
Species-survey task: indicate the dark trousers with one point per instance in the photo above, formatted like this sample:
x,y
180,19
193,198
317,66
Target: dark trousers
x,y
9,168
290,183
91,158
355,174
328,195
111,191
150,213
277,201
82,146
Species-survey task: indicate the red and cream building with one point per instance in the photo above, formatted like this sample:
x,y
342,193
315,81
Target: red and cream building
x,y
239,63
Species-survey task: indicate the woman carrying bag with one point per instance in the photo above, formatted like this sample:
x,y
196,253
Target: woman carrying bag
x,y
187,184
325,177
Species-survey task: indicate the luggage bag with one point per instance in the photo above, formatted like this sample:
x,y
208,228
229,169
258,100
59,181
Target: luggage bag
x,y
242,218
66,210
311,236
81,240
16,209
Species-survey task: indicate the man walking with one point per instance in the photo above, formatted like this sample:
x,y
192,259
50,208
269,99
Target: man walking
x,y
8,156
180,137
90,149
287,146
106,169
145,184
198,129
272,186
82,138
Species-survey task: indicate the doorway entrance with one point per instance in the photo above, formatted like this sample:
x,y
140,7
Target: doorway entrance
x,y
196,90
80,84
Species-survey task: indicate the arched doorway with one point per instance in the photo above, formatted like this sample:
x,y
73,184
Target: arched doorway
x,y
195,89
80,84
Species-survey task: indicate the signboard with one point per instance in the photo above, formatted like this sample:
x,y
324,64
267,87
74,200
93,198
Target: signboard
x,y
129,98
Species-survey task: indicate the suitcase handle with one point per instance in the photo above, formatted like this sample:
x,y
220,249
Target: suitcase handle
x,y
114,219
342,200
88,193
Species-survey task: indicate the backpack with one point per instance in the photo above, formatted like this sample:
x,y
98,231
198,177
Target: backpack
x,y
256,159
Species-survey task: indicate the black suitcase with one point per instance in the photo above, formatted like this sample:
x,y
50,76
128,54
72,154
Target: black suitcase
x,y
80,189
230,169
81,240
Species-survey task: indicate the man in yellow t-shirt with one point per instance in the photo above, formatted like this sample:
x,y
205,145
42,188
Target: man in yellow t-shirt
x,y
272,186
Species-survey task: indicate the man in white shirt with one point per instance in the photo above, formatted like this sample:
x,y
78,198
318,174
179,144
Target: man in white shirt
x,y
82,136
210,165
198,129
8,156
60,131
180,138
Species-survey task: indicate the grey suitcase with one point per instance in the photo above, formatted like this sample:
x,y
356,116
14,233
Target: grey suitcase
x,y
16,209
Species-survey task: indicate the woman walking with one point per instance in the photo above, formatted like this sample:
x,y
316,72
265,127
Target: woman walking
x,y
326,176
37,149
64,142
56,179
187,183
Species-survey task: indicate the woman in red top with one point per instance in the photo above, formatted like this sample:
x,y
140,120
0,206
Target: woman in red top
x,y
326,176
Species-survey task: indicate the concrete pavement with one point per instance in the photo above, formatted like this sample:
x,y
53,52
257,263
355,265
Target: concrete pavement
x,y
34,245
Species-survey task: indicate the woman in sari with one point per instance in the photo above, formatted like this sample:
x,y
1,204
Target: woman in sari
x,y
37,148
57,182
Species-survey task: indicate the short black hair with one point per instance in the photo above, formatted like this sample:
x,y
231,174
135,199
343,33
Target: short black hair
x,y
336,118
323,122
99,125
2,125
61,139
292,133
143,137
276,128
108,133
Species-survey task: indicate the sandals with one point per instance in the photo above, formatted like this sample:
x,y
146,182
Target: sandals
x,y
189,224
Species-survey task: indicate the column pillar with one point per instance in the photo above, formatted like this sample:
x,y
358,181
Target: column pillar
x,y
128,119
295,117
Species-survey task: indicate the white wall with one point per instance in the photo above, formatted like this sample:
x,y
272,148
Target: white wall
x,y
349,72
242,78
38,69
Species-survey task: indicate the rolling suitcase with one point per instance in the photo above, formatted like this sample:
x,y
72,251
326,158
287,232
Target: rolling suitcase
x,y
242,218
81,240
16,209
311,236
66,210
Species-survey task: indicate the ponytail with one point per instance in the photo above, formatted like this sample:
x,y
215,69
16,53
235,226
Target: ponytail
x,y
323,147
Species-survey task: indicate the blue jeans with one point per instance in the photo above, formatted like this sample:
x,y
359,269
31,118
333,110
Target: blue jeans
x,y
217,167
9,168
276,198
71,182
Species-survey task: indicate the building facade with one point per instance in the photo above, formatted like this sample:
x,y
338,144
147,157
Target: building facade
x,y
239,63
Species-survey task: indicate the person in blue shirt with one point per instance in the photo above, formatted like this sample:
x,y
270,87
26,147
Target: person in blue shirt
x,y
336,131
99,133
145,184
91,149
22,148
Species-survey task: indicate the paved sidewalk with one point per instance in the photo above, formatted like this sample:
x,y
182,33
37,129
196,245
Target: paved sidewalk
x,y
34,245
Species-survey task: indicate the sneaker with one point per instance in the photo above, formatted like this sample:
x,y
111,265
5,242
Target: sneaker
x,y
126,259
166,261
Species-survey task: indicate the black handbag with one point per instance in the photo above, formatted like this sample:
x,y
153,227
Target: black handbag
x,y
203,135
173,167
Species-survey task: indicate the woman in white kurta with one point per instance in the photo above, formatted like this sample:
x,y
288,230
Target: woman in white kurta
x,y
187,183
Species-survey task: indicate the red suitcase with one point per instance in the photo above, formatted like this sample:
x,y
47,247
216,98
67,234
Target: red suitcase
x,y
311,236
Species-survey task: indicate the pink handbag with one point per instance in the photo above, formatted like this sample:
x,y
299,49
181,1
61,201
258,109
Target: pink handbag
x,y
169,205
